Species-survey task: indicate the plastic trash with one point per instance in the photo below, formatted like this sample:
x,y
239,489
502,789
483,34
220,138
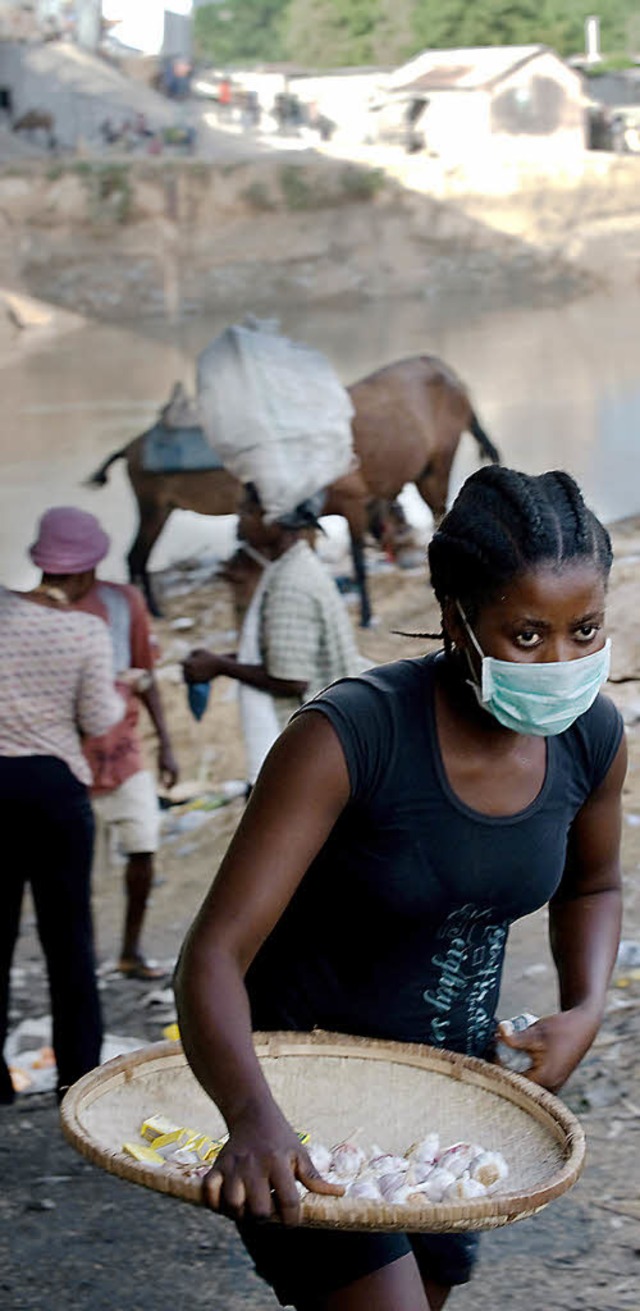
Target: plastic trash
x,y
232,788
29,1056
518,1061
628,955
198,697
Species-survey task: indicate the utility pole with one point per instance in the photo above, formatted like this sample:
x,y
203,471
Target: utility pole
x,y
592,39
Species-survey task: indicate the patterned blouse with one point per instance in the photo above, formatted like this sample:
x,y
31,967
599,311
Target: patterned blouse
x,y
56,681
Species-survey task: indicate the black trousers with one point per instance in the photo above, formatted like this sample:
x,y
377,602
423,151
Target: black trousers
x,y
47,831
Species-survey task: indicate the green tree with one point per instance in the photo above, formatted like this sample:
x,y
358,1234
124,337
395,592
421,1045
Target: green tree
x,y
443,24
563,24
558,23
332,33
394,39
239,31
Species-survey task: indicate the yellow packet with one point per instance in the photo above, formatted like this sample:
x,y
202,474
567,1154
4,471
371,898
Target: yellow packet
x,y
156,1125
175,1138
165,1139
140,1152
208,1148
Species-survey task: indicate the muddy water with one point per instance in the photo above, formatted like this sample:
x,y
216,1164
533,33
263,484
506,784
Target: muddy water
x,y
556,387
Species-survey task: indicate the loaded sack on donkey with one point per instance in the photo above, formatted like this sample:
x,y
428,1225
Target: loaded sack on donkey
x,y
281,422
275,413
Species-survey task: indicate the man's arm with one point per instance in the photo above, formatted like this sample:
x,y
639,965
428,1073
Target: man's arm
x,y
203,666
167,764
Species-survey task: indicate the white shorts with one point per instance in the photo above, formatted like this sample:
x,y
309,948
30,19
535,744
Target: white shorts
x,y
134,812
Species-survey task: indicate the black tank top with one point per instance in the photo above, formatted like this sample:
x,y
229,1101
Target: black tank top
x,y
399,927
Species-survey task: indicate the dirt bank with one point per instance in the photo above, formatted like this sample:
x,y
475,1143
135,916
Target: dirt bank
x,y
121,238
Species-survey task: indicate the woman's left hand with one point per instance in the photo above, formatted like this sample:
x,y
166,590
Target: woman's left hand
x,y
556,1045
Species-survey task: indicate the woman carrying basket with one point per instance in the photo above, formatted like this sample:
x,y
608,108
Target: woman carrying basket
x,y
400,824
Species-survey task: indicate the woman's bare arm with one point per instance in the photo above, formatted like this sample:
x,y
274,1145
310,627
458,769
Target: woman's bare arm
x,y
585,914
584,931
303,787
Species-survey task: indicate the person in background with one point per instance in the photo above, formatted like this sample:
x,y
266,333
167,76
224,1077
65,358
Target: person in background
x,y
123,791
225,97
56,687
399,826
297,635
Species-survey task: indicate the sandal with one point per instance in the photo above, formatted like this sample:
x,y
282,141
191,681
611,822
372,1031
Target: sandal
x,y
140,969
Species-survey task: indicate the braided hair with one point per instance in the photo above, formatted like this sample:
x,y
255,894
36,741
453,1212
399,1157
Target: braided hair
x,y
503,523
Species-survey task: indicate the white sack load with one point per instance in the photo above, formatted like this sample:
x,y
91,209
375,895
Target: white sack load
x,y
275,413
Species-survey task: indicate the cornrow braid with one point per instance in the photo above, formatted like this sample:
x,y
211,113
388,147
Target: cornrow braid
x,y
510,492
504,522
575,505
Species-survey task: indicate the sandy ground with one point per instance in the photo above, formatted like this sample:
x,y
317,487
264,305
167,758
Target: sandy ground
x,y
73,1237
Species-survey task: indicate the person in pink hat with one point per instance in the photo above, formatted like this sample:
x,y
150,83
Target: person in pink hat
x,y
70,545
56,687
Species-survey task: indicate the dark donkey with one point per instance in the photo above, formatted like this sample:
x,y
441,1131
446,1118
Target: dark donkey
x,y
408,421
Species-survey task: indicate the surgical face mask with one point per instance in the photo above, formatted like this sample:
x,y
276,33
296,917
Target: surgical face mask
x,y
542,699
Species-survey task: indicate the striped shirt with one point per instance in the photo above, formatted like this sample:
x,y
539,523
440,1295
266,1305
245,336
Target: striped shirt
x,y
56,681
305,631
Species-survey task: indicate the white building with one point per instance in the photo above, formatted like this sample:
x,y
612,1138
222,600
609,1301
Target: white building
x,y
343,95
151,27
512,100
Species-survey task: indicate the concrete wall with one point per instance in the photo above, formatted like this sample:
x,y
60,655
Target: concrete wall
x,y
456,123
344,98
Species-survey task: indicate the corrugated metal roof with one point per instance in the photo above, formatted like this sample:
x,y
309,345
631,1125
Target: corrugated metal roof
x,y
465,70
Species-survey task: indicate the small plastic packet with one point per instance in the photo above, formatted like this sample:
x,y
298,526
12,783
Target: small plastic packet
x,y
512,1059
168,1143
141,1152
155,1125
198,698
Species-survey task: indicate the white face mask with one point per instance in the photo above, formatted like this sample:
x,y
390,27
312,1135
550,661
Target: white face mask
x,y
539,698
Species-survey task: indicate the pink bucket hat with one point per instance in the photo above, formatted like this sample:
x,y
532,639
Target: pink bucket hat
x,y
69,541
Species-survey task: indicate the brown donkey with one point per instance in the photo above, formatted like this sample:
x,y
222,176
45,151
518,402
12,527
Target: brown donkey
x,y
408,421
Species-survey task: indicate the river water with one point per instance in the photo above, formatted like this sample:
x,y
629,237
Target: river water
x,y
553,387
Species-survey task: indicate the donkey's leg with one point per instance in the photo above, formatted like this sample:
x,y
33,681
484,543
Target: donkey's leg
x,y
153,518
433,482
349,498
360,571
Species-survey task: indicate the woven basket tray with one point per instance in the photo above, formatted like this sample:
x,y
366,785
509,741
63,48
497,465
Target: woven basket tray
x,y
330,1085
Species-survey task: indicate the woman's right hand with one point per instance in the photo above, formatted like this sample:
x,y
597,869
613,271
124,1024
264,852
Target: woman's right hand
x,y
255,1174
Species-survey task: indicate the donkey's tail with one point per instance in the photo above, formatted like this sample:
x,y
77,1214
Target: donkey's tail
x,y
487,449
101,477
